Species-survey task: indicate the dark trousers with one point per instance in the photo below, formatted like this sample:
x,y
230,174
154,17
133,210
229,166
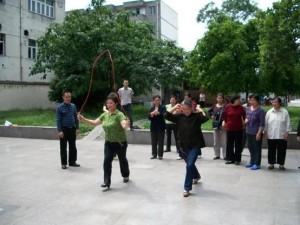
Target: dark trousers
x,y
190,157
69,137
157,139
234,146
128,110
111,148
174,128
244,140
255,149
277,146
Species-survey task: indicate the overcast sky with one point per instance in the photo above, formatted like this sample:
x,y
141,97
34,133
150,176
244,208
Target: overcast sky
x,y
189,31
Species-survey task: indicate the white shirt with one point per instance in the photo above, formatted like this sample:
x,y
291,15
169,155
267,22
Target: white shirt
x,y
277,123
125,95
168,108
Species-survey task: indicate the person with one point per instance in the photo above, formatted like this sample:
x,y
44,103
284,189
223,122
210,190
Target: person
x,y
277,128
68,128
114,124
233,122
298,134
187,96
191,138
125,93
157,127
216,114
202,99
246,105
255,122
172,127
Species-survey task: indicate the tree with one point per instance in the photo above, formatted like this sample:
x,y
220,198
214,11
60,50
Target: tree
x,y
279,50
69,50
226,58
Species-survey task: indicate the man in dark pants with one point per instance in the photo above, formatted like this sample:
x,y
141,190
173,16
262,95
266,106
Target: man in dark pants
x,y
68,128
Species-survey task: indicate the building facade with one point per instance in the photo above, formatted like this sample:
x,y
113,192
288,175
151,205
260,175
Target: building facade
x,y
22,22
162,16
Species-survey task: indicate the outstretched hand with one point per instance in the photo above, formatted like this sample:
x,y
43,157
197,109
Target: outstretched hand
x,y
79,117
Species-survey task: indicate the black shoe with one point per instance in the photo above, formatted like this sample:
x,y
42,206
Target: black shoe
x,y
125,179
281,167
153,157
167,150
105,185
237,163
64,167
160,158
229,162
298,167
74,165
131,128
217,157
271,167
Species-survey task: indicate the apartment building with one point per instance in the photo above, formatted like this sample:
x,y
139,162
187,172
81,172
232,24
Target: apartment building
x,y
162,16
22,22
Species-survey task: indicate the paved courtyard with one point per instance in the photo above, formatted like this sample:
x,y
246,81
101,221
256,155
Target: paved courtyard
x,y
35,190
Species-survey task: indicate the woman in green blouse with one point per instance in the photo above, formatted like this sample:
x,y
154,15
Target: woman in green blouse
x,y
114,124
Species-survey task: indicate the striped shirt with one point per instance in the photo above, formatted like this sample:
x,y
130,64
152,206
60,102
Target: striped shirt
x,y
66,116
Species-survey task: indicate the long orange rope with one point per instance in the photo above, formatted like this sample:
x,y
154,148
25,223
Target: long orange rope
x,y
113,78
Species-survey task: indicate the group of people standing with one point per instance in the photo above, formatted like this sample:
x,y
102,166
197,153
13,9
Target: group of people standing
x,y
229,121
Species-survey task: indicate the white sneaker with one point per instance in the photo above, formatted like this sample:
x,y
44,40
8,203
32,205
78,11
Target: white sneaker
x,y
179,158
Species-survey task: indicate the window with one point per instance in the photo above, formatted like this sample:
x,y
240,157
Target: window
x,y
2,44
31,49
42,7
152,10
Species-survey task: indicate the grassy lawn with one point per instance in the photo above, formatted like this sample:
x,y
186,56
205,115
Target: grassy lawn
x,y
36,117
47,117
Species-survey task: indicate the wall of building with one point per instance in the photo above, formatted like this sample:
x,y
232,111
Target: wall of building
x,y
24,96
168,22
19,25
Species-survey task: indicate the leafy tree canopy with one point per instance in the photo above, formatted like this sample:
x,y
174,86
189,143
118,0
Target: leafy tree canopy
x,y
69,50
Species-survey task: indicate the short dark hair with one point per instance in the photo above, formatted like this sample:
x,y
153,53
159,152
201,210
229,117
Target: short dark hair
x,y
255,97
156,96
278,99
66,91
250,95
112,96
187,94
220,95
234,97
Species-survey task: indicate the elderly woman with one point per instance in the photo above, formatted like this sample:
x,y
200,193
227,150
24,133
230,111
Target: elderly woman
x,y
255,121
114,124
191,138
216,113
233,122
277,128
157,127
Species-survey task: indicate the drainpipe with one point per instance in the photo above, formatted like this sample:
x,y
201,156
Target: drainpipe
x,y
157,20
21,63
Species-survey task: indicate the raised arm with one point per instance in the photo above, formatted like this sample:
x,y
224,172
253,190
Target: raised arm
x,y
89,121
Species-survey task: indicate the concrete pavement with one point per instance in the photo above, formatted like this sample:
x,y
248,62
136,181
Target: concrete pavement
x,y
35,190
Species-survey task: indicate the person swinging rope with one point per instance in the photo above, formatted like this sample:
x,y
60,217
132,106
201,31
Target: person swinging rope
x,y
114,123
191,138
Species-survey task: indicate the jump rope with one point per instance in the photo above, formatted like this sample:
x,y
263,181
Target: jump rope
x,y
102,54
